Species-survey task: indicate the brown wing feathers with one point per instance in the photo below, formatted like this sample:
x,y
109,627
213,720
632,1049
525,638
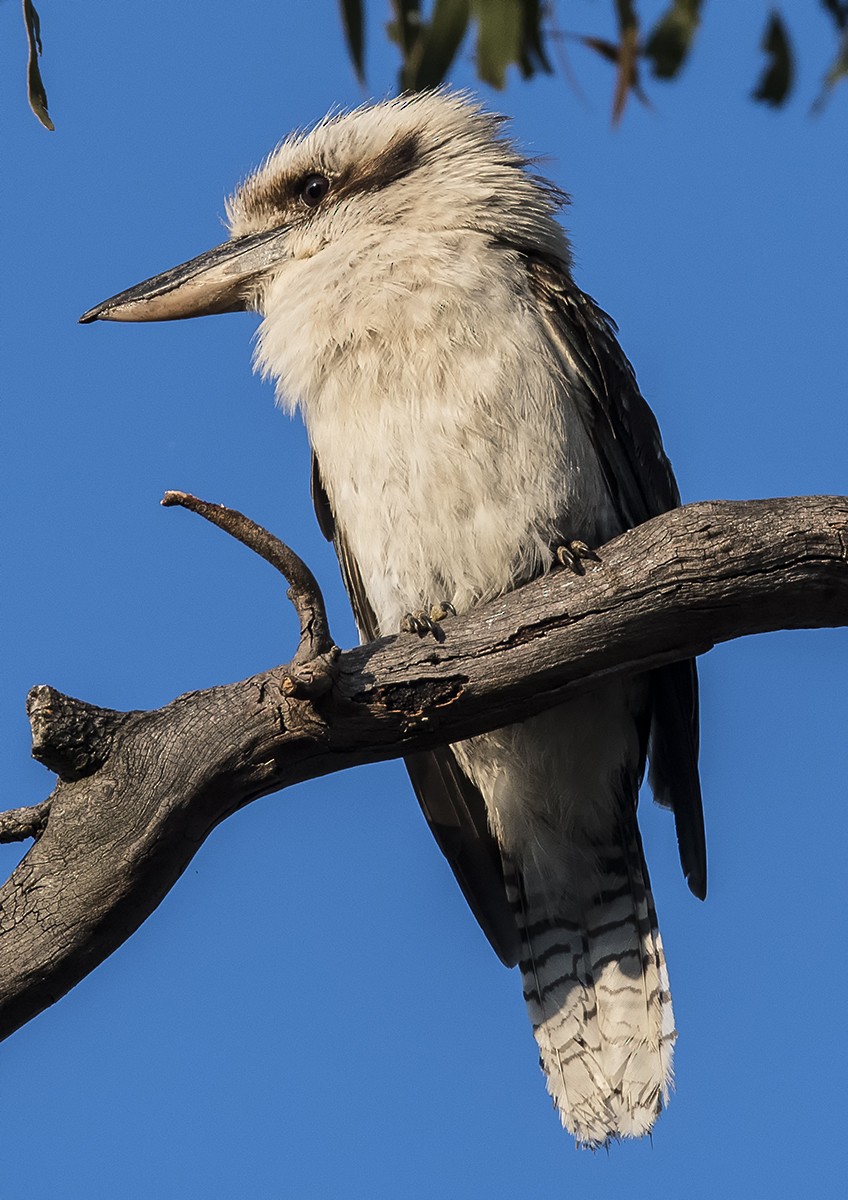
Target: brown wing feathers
x,y
452,805
642,485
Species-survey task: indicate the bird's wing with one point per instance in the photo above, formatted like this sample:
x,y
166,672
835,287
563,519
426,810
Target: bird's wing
x,y
641,484
452,805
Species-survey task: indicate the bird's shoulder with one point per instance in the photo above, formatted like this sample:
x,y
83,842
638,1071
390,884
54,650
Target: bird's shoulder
x,y
620,423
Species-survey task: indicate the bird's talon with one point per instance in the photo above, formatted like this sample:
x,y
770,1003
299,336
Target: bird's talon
x,y
443,609
422,623
574,554
410,624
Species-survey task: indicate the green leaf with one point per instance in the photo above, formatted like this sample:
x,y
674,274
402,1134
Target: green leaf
x,y
625,58
353,23
499,38
625,11
405,30
607,50
533,53
670,41
438,44
778,75
838,9
838,70
36,94
627,78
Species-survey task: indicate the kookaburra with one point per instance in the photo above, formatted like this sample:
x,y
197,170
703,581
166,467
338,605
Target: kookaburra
x,y
472,418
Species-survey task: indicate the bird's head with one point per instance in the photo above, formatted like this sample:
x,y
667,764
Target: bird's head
x,y
365,182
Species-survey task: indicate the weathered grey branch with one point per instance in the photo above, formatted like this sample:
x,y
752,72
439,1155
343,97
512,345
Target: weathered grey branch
x,y
138,792
303,592
18,824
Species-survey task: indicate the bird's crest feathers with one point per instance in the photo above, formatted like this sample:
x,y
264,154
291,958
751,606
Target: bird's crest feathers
x,y
454,162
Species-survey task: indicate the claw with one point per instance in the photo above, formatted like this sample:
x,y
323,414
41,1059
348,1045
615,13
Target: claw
x,y
443,609
422,622
413,622
574,554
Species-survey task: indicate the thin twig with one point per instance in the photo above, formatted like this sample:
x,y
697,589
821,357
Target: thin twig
x,y
304,592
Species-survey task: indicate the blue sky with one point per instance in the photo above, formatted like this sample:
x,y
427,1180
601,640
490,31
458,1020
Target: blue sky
x,y
312,1010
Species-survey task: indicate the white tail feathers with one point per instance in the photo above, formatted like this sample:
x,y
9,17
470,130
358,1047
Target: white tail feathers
x,y
597,991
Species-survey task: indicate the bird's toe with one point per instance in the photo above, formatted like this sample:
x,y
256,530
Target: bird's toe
x,y
422,623
574,555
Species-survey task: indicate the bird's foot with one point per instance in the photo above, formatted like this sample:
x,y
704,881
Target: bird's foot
x,y
574,555
423,621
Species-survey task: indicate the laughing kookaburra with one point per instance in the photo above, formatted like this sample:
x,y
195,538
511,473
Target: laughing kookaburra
x,y
472,420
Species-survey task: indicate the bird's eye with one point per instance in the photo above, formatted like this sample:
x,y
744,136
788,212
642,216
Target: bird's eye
x,y
313,189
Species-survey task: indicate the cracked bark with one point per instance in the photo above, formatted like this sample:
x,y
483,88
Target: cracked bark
x,y
138,792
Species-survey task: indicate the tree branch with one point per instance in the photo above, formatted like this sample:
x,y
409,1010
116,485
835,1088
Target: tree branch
x,y
18,824
304,592
139,792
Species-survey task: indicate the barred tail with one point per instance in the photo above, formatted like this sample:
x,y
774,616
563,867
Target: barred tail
x,y
597,991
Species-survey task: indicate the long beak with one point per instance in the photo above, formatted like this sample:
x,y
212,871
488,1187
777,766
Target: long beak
x,y
219,281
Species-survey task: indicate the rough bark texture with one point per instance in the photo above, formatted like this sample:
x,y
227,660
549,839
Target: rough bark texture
x,y
139,792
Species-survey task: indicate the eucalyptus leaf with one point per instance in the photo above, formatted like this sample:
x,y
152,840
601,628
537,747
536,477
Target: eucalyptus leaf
x,y
607,50
499,38
36,93
627,80
670,41
778,76
625,11
838,9
439,42
838,70
353,23
533,53
405,30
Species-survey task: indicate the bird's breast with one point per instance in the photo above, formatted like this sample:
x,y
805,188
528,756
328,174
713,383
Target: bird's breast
x,y
452,455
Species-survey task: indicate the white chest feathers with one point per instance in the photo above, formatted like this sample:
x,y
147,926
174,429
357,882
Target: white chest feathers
x,y
452,455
